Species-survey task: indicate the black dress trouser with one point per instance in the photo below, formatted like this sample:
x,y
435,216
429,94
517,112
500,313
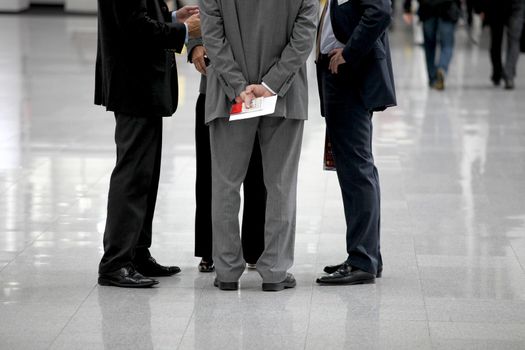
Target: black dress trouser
x,y
254,196
349,126
132,191
514,26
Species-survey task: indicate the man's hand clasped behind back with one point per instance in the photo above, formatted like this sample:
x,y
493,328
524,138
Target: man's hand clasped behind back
x,y
190,16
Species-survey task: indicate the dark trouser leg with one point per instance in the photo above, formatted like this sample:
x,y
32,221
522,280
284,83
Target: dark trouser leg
x,y
430,27
203,225
144,243
496,39
254,208
446,31
132,190
470,12
514,28
350,128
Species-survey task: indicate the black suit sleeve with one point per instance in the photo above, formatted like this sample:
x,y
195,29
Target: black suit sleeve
x,y
407,6
133,20
374,22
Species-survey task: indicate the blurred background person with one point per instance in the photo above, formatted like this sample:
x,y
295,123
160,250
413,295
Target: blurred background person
x,y
501,16
439,19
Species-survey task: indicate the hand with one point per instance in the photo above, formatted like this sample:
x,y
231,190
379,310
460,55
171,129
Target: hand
x,y
336,59
408,17
245,97
186,12
197,57
194,26
258,90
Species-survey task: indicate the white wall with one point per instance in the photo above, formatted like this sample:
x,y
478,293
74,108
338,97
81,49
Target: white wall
x,y
48,2
87,6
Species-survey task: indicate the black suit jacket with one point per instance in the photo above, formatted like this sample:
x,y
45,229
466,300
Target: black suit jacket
x,y
135,70
499,12
362,25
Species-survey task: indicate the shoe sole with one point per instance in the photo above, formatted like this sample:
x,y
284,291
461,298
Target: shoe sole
x,y
367,281
109,283
226,285
206,270
277,287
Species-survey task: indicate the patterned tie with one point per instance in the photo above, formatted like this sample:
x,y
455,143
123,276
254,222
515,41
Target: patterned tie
x,y
319,31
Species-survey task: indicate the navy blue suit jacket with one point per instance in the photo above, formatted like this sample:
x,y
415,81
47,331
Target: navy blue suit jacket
x,y
363,25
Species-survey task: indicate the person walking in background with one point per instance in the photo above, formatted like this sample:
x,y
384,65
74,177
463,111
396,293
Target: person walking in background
x,y
257,48
252,236
355,79
501,16
439,19
136,78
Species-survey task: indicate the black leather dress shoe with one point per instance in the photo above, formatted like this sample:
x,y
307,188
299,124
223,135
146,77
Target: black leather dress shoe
x,y
125,277
226,285
347,275
289,282
496,80
206,265
151,268
334,268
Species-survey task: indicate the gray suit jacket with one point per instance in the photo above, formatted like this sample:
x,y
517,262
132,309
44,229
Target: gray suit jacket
x,y
255,41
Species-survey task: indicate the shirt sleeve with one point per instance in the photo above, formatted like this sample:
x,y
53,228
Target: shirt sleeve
x,y
269,88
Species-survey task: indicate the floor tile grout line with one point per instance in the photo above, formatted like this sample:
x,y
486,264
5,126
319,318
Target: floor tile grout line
x,y
312,286
517,257
73,315
40,164
191,317
422,293
413,238
48,226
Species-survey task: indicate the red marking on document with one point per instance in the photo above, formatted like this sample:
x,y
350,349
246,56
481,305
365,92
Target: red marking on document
x,y
236,108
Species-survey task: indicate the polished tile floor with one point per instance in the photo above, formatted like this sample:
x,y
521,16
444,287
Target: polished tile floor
x,y
452,166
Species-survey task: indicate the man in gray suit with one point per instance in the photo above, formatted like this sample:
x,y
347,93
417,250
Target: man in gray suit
x,y
256,48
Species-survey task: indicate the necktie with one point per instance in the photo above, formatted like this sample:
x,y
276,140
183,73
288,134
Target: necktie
x,y
319,30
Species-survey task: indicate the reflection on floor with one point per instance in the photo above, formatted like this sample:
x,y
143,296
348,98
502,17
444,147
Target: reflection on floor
x,y
453,237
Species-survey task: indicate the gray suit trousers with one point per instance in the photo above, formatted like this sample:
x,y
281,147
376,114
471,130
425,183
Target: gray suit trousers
x,y
231,147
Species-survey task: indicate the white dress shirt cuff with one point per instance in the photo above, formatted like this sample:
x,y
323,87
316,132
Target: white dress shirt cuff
x,y
269,88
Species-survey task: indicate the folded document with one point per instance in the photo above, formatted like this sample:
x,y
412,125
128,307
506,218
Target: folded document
x,y
260,106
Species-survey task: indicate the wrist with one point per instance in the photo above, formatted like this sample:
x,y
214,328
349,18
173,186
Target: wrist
x,y
268,88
